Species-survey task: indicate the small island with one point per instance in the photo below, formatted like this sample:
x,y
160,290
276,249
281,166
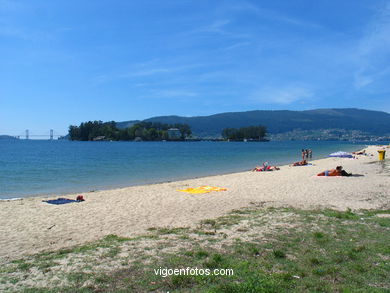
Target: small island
x,y
142,131
156,131
7,137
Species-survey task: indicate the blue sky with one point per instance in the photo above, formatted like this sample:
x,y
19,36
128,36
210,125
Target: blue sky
x,y
64,62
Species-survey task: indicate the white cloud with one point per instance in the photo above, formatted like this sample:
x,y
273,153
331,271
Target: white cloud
x,y
238,45
373,52
283,95
171,94
157,67
148,72
168,72
269,14
10,6
215,27
362,80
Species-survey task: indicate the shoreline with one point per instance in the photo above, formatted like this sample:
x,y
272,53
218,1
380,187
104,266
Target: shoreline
x,y
29,225
122,186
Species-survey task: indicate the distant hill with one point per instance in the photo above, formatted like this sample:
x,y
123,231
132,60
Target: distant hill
x,y
281,121
126,124
7,137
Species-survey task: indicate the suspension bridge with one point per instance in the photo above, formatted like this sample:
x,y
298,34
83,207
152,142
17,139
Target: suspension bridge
x,y
50,135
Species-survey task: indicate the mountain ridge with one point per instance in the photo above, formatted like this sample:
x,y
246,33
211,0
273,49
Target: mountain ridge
x,y
282,121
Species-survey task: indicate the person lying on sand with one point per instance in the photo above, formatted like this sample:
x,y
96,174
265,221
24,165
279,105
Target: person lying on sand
x,y
265,167
300,163
335,172
363,152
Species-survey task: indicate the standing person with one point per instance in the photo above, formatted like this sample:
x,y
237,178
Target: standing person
x,y
303,154
310,153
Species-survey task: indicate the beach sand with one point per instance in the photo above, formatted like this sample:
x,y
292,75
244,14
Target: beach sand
x,y
29,225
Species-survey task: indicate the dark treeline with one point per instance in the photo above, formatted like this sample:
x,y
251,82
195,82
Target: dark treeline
x,y
149,131
250,132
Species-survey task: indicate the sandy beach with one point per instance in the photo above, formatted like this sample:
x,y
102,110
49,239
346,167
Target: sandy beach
x,y
29,225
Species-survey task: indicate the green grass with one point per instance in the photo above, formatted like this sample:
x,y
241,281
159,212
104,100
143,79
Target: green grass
x,y
347,215
323,251
279,253
165,231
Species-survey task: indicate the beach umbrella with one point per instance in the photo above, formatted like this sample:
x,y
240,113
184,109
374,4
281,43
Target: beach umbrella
x,y
341,155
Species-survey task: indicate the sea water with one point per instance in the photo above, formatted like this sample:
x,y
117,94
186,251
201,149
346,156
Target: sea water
x,y
37,167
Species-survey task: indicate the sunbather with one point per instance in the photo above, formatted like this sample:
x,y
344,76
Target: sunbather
x,y
300,163
335,172
265,167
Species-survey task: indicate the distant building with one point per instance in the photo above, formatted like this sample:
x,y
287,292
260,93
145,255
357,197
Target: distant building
x,y
174,133
97,138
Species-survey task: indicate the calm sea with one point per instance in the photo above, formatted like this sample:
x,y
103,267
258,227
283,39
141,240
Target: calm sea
x,y
33,167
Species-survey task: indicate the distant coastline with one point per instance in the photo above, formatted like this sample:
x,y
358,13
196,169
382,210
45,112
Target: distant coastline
x,y
7,137
346,124
325,124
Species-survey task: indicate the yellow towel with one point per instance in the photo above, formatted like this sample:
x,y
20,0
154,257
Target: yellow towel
x,y
212,188
202,189
194,190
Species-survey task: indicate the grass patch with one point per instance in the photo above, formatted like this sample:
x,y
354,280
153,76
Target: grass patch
x,y
278,253
346,215
165,231
324,251
112,252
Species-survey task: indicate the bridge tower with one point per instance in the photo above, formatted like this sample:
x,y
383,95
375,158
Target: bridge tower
x,y
27,134
51,134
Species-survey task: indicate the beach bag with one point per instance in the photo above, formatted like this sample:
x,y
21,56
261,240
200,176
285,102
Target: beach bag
x,y
80,198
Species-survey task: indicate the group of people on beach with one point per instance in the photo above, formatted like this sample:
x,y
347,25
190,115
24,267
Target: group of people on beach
x,y
306,154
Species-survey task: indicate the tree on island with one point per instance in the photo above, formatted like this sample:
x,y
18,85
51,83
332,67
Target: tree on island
x,y
148,131
92,129
250,132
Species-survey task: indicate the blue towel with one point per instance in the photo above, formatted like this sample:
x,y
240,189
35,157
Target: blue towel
x,y
60,200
